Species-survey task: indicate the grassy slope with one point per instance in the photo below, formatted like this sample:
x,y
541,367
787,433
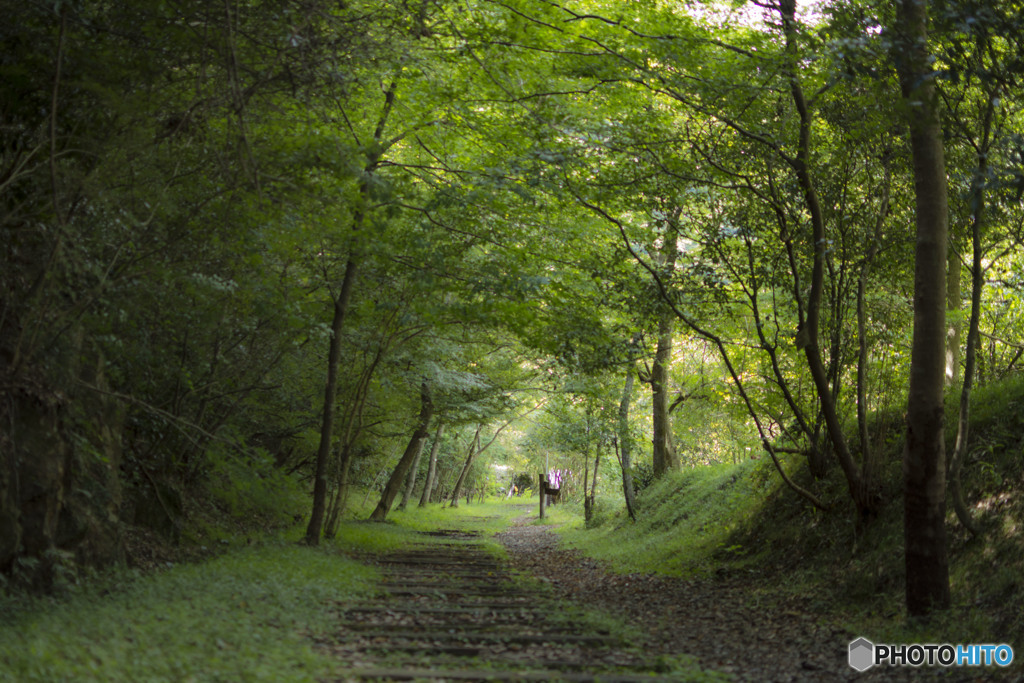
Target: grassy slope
x,y
245,615
741,521
241,616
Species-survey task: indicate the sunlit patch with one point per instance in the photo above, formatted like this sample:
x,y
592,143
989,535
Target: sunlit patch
x,y
993,503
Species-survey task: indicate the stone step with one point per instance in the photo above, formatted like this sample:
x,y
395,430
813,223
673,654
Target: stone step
x,y
553,638
416,674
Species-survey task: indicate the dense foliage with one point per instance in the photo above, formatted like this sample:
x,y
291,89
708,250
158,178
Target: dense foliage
x,y
254,250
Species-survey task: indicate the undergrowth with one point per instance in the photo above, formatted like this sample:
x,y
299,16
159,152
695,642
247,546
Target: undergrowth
x,y
741,522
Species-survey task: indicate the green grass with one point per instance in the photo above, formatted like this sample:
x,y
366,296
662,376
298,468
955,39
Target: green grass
x,y
684,520
405,527
487,518
742,522
248,615
245,616
251,614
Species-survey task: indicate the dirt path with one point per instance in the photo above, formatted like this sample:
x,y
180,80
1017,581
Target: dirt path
x,y
452,611
713,621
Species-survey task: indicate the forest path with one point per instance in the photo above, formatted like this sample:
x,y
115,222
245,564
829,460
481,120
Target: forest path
x,y
718,622
452,610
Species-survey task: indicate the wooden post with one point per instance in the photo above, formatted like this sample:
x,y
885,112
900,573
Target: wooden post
x,y
543,493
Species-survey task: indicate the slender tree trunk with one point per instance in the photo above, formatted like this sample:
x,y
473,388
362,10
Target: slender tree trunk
x,y
412,450
344,467
372,486
963,419
587,510
473,450
410,480
664,455
316,518
542,484
625,445
593,482
330,528
924,462
428,485
664,452
956,461
440,493
808,336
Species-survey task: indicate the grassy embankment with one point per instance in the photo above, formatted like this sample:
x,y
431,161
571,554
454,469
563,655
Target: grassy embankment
x,y
247,614
741,522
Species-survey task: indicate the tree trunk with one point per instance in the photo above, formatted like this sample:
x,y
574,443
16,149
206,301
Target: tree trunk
x,y
664,452
626,444
333,515
593,482
372,486
924,463
590,497
428,485
412,450
956,461
473,450
316,518
587,510
341,500
410,479
440,492
542,485
808,335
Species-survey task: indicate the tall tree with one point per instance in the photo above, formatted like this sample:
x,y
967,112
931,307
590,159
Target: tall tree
x,y
924,461
982,44
664,454
340,300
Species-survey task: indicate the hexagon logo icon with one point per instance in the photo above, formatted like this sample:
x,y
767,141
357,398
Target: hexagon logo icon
x,y
862,654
